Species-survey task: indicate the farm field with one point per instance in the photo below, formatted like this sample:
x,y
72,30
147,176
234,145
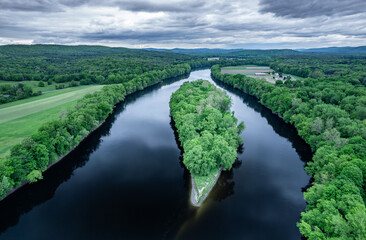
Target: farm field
x,y
251,70
246,69
22,118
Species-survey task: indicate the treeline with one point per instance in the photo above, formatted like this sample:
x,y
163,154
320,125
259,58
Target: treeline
x,y
329,67
54,139
10,93
85,64
336,134
69,66
323,66
207,129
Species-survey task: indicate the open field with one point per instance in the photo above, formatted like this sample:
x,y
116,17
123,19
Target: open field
x,y
246,69
22,118
242,67
251,70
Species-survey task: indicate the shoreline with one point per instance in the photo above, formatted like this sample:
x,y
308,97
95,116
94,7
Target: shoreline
x,y
24,183
197,200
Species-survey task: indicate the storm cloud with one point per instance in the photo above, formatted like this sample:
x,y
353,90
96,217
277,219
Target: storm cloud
x,y
185,23
312,8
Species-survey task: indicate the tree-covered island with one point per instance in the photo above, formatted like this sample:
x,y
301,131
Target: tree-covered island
x,y
208,133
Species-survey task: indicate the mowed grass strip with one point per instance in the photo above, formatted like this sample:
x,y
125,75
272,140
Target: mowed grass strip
x,y
20,110
43,96
14,131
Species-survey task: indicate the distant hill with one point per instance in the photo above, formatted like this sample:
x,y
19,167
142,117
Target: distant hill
x,y
196,51
263,53
79,51
211,52
341,50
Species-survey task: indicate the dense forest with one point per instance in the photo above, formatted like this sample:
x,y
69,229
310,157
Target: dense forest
x,y
70,66
54,139
207,129
328,113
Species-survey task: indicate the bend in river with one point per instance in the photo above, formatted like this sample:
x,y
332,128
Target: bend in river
x,y
126,180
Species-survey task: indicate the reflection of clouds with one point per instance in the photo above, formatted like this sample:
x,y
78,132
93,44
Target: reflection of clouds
x,y
274,154
139,183
224,186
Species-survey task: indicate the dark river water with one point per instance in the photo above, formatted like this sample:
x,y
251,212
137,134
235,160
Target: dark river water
x,y
127,181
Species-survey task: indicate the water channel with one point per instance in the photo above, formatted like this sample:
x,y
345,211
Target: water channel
x,y
127,180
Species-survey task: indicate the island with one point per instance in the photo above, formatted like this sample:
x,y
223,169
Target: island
x,y
208,132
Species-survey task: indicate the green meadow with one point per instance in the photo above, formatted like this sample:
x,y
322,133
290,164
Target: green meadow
x,y
22,118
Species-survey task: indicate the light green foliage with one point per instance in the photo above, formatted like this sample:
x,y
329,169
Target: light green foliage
x,y
207,129
34,176
5,186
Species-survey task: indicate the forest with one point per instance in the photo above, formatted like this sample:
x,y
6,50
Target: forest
x,y
69,66
329,114
54,139
208,131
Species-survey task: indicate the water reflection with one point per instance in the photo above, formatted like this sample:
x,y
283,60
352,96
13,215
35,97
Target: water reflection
x,y
34,194
282,128
31,195
125,181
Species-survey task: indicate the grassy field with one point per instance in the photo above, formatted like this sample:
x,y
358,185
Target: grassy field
x,y
22,118
244,67
32,84
297,77
247,70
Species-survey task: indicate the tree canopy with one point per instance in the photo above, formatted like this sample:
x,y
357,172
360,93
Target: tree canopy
x,y
208,131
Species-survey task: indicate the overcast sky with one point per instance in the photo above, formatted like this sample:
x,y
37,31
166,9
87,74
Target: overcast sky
x,y
185,23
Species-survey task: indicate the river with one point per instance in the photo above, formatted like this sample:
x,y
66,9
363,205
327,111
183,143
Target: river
x,y
127,180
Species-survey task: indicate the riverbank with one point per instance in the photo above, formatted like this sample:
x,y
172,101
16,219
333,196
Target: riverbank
x,y
202,186
307,114
102,179
25,182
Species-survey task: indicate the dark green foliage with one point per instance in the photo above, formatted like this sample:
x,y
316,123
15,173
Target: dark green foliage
x,y
328,123
9,93
54,139
207,129
71,66
41,84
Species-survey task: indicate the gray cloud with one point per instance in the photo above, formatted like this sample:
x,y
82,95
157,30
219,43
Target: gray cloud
x,y
149,6
312,8
188,23
31,6
134,6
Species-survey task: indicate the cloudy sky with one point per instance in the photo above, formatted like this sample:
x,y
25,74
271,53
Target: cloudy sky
x,y
249,24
